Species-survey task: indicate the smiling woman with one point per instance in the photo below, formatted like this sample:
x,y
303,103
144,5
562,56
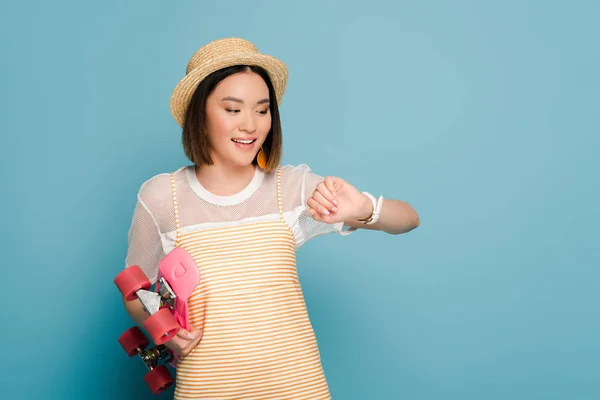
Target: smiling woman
x,y
241,217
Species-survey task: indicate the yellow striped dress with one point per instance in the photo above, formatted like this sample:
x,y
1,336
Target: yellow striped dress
x,y
258,342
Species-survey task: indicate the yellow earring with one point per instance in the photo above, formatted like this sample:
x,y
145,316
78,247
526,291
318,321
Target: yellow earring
x,y
261,158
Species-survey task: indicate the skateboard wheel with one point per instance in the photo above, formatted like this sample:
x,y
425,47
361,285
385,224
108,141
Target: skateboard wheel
x,y
161,326
130,280
159,379
133,341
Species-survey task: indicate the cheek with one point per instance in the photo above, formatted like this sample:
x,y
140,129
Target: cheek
x,y
265,124
219,125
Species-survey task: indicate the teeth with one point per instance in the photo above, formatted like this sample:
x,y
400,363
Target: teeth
x,y
243,141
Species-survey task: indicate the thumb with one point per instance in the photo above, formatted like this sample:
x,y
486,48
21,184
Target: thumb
x,y
195,331
185,334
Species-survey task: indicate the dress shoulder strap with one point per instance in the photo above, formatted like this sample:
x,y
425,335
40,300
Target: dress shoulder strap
x,y
175,209
279,202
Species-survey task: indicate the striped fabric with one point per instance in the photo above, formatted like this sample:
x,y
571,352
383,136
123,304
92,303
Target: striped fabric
x,y
258,342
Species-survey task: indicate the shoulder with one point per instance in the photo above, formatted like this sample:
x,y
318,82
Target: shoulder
x,y
301,174
155,186
299,180
295,172
300,168
156,191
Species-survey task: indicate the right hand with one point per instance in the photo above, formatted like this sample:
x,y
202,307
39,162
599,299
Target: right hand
x,y
185,341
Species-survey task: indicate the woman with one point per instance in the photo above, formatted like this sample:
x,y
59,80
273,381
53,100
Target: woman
x,y
242,216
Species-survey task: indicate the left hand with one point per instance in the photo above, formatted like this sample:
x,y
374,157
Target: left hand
x,y
335,200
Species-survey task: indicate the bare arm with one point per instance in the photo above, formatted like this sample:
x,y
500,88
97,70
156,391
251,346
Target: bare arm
x,y
136,311
396,217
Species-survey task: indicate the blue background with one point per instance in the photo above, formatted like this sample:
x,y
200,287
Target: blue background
x,y
482,115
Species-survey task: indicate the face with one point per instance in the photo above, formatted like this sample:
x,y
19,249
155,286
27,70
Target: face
x,y
238,118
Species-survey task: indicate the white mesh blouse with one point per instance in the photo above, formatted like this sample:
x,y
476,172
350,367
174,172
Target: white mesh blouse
x,y
152,232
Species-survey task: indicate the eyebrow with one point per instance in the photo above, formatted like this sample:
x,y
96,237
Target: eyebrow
x,y
229,98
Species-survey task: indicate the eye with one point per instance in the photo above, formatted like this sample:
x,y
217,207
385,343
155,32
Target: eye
x,y
264,112
232,110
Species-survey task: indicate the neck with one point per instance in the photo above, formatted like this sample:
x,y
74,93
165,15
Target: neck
x,y
224,180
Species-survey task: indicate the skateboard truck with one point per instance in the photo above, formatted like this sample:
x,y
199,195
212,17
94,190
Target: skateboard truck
x,y
152,356
152,301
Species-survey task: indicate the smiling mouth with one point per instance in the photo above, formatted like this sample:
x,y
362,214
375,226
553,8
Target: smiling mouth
x,y
240,141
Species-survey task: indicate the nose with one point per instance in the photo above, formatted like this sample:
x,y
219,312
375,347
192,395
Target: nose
x,y
248,124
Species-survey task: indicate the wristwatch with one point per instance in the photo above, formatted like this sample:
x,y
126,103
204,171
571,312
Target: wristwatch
x,y
377,204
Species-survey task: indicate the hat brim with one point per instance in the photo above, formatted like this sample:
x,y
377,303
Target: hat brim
x,y
184,90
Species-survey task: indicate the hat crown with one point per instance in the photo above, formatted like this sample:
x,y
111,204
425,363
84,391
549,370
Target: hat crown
x,y
219,48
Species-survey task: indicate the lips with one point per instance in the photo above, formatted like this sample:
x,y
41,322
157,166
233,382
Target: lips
x,y
244,144
244,141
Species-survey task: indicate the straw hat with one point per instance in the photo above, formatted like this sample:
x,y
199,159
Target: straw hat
x,y
220,54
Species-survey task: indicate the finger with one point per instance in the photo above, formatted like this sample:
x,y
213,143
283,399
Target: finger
x,y
320,217
312,203
326,199
199,335
318,197
177,344
326,192
185,334
330,184
191,345
316,216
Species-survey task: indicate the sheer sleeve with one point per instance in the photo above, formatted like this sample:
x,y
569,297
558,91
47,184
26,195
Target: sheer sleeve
x,y
144,242
304,181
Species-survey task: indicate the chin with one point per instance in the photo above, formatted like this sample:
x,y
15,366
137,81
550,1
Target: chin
x,y
242,163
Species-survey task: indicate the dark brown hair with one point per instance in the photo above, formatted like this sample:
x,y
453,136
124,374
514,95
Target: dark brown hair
x,y
194,138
